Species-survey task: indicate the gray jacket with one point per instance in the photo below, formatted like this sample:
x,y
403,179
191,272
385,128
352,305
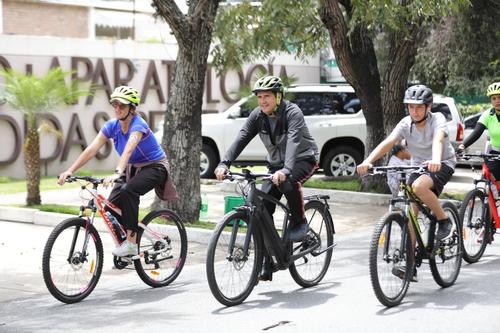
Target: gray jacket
x,y
289,142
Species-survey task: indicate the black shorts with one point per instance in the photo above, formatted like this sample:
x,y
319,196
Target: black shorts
x,y
439,178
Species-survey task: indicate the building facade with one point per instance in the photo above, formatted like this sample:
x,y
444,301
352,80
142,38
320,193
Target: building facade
x,y
105,44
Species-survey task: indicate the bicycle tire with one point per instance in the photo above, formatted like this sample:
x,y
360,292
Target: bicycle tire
x,y
475,232
230,277
446,260
309,270
161,269
68,278
391,269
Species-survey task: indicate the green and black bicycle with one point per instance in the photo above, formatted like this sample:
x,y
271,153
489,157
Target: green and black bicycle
x,y
394,256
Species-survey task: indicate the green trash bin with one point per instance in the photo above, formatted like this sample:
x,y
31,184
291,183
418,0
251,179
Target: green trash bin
x,y
231,202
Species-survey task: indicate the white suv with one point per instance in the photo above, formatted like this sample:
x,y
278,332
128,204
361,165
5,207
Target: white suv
x,y
334,118
332,113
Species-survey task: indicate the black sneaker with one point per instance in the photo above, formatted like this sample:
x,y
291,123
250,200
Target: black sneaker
x,y
266,274
399,271
298,232
445,229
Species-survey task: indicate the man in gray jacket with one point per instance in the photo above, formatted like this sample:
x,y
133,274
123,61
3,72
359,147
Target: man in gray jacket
x,y
292,153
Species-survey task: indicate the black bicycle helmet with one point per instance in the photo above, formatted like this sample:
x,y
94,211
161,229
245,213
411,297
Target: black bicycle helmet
x,y
418,94
268,83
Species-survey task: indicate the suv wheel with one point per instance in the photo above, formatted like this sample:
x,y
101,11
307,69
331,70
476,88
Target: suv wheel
x,y
341,161
208,161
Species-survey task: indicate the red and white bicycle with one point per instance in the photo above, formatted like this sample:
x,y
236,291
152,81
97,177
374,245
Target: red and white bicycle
x,y
73,255
479,212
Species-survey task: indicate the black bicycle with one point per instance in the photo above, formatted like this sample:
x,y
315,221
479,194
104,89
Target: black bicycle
x,y
393,256
244,236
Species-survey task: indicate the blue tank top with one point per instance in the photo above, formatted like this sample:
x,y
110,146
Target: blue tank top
x,y
147,150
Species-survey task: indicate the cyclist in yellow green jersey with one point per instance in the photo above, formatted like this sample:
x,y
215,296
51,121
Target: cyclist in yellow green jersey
x,y
489,120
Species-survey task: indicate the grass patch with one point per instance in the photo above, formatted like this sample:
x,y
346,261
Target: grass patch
x,y
334,184
48,183
53,208
75,210
452,196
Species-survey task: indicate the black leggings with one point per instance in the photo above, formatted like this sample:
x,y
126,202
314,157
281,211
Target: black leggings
x,y
127,196
292,189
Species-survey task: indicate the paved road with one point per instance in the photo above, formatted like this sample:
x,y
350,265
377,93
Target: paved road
x,y
343,302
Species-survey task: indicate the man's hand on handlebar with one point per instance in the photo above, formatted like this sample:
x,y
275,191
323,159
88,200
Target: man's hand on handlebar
x,y
278,177
433,166
220,172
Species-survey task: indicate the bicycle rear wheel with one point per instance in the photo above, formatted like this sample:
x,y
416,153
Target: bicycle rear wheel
x,y
474,215
231,273
163,259
390,259
447,257
70,270
309,270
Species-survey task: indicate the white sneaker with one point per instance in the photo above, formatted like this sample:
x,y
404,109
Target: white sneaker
x,y
126,249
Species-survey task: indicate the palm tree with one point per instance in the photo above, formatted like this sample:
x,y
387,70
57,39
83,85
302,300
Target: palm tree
x,y
32,95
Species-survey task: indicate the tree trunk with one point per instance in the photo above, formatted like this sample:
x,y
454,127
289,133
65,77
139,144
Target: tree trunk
x,y
182,126
32,165
355,55
402,53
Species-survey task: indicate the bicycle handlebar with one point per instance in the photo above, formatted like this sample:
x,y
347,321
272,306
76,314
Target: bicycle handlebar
x,y
397,169
486,157
90,179
246,175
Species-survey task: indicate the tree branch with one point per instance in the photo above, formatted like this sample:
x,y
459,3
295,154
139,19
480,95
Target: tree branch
x,y
331,15
177,21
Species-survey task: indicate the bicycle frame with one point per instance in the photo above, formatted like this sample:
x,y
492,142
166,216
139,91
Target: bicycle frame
x,y
258,217
408,196
97,203
489,181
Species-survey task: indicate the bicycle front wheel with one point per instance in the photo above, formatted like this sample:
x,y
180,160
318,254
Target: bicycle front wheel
x,y
446,259
391,259
72,260
309,270
474,215
232,273
164,245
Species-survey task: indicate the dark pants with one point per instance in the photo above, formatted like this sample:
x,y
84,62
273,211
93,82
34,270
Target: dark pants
x,y
494,166
292,189
127,196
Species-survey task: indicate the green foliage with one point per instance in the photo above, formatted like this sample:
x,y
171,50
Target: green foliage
x,y
246,32
392,16
31,94
462,55
468,110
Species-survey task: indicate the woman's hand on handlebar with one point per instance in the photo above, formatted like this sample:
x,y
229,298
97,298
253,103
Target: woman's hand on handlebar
x,y
110,179
63,176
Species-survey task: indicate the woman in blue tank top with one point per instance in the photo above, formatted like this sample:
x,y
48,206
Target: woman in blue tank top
x,y
142,162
